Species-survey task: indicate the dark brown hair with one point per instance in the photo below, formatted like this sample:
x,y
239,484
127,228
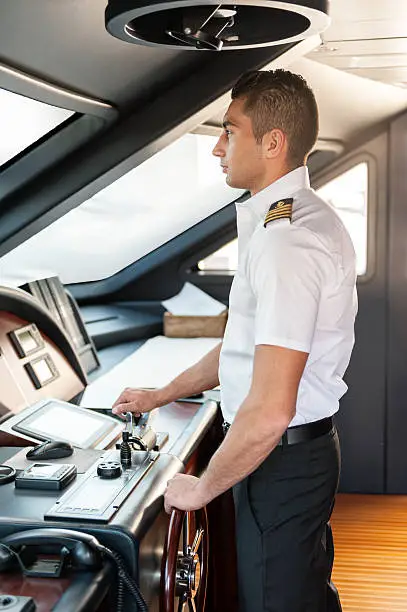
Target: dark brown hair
x,y
279,99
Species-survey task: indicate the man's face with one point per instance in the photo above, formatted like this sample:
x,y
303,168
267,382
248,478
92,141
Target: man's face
x,y
241,157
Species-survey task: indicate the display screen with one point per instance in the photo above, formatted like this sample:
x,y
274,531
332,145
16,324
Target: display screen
x,y
43,469
27,341
62,421
42,370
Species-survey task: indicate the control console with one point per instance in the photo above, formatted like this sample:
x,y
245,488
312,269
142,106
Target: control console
x,y
103,489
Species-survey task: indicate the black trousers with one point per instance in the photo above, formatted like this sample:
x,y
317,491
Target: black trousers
x,y
282,510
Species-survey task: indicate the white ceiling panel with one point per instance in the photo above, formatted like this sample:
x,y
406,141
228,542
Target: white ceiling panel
x,y
368,38
367,19
392,75
349,104
361,53
375,46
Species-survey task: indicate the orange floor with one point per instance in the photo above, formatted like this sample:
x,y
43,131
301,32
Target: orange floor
x,y
370,570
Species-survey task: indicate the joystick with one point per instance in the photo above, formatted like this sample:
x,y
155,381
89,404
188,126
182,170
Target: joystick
x,y
139,438
125,450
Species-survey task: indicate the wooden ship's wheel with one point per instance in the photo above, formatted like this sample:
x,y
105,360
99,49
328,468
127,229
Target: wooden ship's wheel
x,y
184,571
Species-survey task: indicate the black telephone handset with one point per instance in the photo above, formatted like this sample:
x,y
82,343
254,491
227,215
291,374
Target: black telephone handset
x,y
84,549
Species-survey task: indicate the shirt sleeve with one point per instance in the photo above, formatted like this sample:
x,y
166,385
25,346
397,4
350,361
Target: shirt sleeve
x,y
286,270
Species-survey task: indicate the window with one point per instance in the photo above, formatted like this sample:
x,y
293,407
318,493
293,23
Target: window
x,y
348,194
173,190
23,121
223,260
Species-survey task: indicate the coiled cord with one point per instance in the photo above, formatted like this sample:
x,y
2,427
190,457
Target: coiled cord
x,y
124,579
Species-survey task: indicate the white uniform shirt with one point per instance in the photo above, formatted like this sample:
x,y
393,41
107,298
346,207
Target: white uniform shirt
x,y
295,287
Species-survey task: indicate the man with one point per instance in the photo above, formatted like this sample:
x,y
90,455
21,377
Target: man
x,y
286,347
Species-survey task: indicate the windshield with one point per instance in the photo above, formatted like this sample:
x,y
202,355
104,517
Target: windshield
x,y
170,192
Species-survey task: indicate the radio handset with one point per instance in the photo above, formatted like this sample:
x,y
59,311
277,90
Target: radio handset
x,y
82,548
85,550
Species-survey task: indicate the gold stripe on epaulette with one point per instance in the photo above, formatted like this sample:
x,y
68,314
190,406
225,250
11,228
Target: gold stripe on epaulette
x,y
280,214
277,216
282,209
287,208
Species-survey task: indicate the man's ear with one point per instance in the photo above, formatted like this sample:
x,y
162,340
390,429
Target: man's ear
x,y
274,144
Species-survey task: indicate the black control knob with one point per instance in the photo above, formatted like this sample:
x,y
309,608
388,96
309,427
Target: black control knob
x,y
109,469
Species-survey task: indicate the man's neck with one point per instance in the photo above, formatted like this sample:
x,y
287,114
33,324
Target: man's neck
x,y
270,178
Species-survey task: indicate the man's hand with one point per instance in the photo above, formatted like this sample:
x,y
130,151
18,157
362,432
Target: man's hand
x,y
184,492
136,401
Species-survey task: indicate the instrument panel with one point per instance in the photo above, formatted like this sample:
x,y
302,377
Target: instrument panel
x,y
26,340
32,367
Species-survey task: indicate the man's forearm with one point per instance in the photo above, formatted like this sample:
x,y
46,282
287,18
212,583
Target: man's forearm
x,y
253,435
202,376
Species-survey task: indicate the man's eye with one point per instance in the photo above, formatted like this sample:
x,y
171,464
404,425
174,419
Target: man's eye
x,y
228,132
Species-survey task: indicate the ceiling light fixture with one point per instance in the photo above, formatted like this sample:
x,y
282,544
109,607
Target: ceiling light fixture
x,y
207,25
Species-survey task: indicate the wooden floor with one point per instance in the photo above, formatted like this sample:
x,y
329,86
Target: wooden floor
x,y
370,569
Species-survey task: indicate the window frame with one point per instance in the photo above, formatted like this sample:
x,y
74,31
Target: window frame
x,y
91,116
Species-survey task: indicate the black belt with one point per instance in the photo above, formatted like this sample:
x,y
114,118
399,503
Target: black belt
x,y
300,433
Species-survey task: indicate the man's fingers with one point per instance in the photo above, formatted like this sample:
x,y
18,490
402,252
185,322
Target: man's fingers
x,y
167,508
122,408
121,399
125,396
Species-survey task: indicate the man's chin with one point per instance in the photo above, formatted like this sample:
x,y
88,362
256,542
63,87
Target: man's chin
x,y
233,182
230,181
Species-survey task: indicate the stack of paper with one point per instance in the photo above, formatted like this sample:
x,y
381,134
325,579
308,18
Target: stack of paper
x,y
192,301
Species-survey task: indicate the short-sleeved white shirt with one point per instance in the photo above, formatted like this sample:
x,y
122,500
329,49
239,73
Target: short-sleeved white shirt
x,y
295,287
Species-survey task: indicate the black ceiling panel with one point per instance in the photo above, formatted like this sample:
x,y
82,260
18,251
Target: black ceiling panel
x,y
65,42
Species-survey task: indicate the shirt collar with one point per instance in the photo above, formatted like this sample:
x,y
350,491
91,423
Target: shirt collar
x,y
284,187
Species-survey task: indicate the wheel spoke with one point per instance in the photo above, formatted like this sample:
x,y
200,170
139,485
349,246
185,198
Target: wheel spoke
x,y
191,605
186,534
197,541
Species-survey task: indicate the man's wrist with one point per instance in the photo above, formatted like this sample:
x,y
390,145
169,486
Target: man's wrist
x,y
161,397
205,491
167,394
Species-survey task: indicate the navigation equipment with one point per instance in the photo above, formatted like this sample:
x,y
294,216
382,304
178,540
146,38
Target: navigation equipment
x,y
48,476
57,420
26,340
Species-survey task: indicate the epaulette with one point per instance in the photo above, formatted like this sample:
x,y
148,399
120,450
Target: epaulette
x,y
282,209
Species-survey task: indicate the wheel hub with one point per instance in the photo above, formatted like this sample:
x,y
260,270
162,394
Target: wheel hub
x,y
188,575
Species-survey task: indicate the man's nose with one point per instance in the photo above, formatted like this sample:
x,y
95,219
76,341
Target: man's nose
x,y
219,149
